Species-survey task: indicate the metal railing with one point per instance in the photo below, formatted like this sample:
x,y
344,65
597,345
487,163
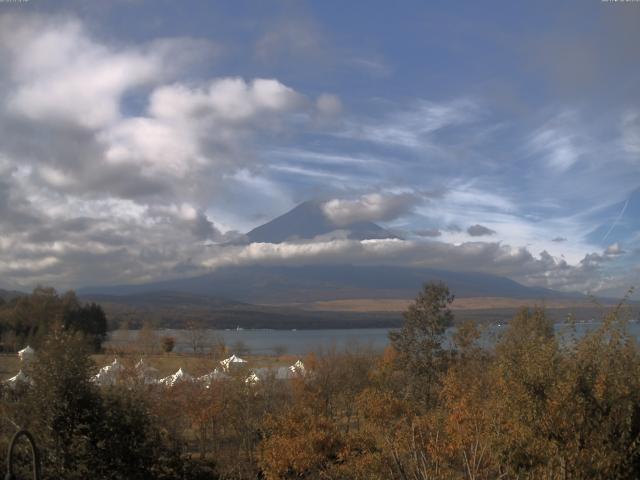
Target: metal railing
x,y
35,464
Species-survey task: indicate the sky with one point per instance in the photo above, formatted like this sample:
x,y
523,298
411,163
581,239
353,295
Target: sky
x,y
140,138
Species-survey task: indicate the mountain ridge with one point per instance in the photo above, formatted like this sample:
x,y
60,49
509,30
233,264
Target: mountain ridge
x,y
306,221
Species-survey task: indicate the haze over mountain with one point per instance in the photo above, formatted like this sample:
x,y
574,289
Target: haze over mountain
x,y
280,284
307,221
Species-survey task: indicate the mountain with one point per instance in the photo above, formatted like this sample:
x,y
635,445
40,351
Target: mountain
x,y
173,309
307,221
312,283
7,295
160,298
279,284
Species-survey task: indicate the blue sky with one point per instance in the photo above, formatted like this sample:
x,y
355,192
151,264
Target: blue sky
x,y
493,136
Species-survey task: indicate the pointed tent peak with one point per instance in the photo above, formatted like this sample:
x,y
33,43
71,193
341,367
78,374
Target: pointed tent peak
x,y
232,359
20,377
298,368
180,376
26,353
235,359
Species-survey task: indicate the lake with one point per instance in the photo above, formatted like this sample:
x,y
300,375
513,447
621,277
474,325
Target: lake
x,y
301,342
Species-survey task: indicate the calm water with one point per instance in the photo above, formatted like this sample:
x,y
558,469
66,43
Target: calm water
x,y
300,342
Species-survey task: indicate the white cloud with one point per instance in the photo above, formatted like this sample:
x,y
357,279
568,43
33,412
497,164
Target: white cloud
x,y
415,127
614,249
59,73
490,257
371,207
559,142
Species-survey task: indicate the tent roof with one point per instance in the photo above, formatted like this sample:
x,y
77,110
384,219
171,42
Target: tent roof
x,y
179,376
19,378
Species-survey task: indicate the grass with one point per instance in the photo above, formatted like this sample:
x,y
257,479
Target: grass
x,y
363,305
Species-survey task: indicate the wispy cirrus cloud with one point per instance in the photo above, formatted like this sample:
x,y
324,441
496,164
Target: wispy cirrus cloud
x,y
415,127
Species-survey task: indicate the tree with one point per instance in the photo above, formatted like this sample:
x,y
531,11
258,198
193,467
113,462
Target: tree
x,y
197,335
83,432
167,344
147,339
418,343
63,407
89,319
32,317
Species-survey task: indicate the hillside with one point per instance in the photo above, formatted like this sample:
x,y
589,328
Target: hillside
x,y
279,284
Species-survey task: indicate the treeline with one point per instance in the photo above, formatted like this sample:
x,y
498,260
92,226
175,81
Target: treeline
x,y
28,319
533,406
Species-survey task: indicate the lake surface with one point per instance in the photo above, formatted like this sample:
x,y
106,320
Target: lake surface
x,y
301,342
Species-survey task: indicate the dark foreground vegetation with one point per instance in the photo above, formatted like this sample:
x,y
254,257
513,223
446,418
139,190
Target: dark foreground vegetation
x,y
531,407
29,319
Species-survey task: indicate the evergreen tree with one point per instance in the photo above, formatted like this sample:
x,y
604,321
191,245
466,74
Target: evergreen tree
x,y
419,342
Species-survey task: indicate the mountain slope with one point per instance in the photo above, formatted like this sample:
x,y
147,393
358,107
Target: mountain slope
x,y
278,284
307,221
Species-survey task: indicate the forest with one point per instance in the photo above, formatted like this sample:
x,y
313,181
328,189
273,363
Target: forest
x,y
534,404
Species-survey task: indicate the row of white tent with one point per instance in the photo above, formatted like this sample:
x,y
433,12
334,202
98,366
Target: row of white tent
x,y
109,374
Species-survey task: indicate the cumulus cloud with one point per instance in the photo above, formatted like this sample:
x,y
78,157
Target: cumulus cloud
x,y
614,249
190,129
515,262
91,188
59,73
371,207
478,230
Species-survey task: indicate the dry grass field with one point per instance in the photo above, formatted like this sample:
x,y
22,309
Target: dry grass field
x,y
363,305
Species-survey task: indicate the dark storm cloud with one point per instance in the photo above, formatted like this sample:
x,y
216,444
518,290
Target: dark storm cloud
x,y
479,231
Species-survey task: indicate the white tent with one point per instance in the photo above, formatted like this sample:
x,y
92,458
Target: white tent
x,y
210,377
297,368
108,375
105,377
146,372
178,377
116,366
26,354
252,379
18,379
232,360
